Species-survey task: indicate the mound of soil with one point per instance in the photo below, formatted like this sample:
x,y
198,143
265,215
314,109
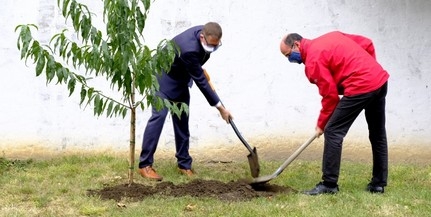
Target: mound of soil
x,y
232,191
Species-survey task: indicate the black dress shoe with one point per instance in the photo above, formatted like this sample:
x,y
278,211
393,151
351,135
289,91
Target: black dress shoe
x,y
375,188
321,189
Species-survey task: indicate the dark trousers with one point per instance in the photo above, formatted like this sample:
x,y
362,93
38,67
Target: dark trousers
x,y
152,135
343,117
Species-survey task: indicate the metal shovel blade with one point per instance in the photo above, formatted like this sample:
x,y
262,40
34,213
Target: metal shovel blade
x,y
267,178
253,161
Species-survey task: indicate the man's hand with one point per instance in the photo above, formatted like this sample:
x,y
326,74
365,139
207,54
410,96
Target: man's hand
x,y
225,114
319,132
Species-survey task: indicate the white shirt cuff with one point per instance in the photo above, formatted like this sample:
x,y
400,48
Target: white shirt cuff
x,y
218,105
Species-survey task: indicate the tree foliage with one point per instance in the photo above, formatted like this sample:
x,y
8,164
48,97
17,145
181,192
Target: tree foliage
x,y
120,55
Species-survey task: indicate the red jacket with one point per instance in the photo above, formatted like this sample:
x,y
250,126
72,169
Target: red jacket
x,y
341,64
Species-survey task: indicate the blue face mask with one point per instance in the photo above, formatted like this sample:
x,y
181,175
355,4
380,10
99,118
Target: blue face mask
x,y
295,57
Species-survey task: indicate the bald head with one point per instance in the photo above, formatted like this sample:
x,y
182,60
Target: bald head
x,y
288,41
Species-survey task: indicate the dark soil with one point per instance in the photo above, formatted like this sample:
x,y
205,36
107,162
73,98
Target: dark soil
x,y
232,191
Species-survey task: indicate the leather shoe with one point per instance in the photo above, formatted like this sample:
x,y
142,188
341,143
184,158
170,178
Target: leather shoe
x,y
321,189
150,173
375,188
187,172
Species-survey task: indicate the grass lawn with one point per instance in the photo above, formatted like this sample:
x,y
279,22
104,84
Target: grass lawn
x,y
58,187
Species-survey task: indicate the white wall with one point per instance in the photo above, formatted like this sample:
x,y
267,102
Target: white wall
x,y
268,96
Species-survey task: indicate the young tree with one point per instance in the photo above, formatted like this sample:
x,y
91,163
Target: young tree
x,y
120,56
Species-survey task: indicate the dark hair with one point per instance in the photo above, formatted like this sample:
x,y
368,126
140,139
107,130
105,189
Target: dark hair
x,y
291,38
212,29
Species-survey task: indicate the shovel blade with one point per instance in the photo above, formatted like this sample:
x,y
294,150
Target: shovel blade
x,y
253,161
262,180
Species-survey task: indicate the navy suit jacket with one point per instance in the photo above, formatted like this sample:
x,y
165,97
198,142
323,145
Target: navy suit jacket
x,y
187,67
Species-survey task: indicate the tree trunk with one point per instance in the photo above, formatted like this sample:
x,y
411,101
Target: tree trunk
x,y
132,137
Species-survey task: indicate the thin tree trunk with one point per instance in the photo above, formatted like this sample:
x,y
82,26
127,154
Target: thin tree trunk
x,y
132,138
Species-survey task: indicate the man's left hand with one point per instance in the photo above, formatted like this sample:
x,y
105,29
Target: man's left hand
x,y
225,114
319,132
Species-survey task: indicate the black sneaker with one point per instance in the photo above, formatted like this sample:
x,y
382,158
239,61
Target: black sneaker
x,y
321,189
375,188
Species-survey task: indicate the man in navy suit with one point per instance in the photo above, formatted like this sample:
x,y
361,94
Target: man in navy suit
x,y
196,45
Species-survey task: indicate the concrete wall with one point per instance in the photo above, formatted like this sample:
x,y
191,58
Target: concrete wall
x,y
268,96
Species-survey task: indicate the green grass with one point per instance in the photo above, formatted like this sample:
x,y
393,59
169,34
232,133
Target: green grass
x,y
57,187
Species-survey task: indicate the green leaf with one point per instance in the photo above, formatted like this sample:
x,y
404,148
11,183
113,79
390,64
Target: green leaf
x,y
71,85
40,65
66,73
147,4
96,36
184,108
142,105
64,7
50,69
124,113
83,94
110,107
36,50
26,38
59,72
128,81
75,17
90,92
85,27
98,105
105,50
117,109
140,19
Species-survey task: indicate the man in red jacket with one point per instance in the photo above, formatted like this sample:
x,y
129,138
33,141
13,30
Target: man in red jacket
x,y
344,64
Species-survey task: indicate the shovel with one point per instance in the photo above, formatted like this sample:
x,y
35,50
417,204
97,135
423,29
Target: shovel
x,y
253,160
267,178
